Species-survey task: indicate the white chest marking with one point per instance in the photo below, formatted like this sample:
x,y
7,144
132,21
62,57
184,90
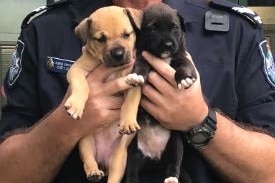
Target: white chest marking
x,y
152,140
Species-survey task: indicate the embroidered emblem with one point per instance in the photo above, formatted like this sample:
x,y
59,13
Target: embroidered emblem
x,y
50,63
59,65
269,65
15,65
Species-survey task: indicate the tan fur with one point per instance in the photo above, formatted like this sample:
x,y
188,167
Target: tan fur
x,y
102,31
129,110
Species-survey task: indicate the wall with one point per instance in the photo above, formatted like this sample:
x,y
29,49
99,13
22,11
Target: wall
x,y
12,12
267,15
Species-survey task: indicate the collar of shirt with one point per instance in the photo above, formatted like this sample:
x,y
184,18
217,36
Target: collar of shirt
x,y
188,9
83,8
185,8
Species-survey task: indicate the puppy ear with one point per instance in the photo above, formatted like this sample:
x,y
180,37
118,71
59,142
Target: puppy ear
x,y
83,28
182,25
135,17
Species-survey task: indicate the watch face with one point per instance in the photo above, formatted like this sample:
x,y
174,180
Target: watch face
x,y
202,134
200,138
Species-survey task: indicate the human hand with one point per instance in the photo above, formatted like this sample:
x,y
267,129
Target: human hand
x,y
173,108
103,104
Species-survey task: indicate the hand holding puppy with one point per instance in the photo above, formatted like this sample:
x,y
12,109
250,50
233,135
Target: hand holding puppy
x,y
102,106
173,108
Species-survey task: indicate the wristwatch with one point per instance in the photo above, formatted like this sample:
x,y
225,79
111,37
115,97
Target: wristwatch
x,y
201,135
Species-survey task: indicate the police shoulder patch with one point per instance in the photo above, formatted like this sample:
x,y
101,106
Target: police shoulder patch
x,y
245,12
269,65
15,64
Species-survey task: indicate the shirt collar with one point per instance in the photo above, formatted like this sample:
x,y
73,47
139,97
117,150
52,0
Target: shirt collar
x,y
185,8
83,8
188,8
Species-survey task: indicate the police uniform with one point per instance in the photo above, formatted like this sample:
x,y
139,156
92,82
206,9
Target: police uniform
x,y
226,42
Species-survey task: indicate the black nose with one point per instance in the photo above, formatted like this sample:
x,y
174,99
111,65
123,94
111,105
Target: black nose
x,y
168,45
118,53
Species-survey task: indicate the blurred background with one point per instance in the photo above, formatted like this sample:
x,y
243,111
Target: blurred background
x,y
12,12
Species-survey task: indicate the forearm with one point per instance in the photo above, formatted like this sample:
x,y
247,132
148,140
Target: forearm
x,y
37,155
241,155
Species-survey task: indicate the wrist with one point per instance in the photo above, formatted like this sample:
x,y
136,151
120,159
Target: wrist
x,y
203,133
63,125
198,117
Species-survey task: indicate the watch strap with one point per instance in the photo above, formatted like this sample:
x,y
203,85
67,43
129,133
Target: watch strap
x,y
207,127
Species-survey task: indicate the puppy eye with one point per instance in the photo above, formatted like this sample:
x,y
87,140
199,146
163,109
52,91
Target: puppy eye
x,y
151,28
174,27
126,35
101,39
155,27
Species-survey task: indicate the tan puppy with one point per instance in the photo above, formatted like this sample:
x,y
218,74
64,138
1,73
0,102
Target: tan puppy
x,y
110,40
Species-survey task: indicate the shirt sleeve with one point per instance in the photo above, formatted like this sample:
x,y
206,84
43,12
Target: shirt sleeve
x,y
255,82
20,85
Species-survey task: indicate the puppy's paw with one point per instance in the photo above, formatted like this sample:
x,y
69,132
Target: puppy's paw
x,y
95,176
171,180
186,83
75,106
134,79
128,127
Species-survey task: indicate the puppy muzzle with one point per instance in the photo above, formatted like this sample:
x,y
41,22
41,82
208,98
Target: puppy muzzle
x,y
165,48
116,57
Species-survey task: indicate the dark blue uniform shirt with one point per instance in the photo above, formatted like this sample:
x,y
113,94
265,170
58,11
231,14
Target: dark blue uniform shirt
x,y
237,72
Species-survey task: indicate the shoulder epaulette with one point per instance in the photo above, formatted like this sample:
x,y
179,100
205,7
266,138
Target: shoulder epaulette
x,y
40,10
245,12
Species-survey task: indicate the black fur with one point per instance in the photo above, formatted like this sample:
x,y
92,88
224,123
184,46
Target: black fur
x,y
161,33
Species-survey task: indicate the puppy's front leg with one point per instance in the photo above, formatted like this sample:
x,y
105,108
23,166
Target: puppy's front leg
x,y
185,74
79,91
87,151
78,85
129,109
128,116
118,160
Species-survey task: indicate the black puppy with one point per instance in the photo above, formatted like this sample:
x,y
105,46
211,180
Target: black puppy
x,y
162,35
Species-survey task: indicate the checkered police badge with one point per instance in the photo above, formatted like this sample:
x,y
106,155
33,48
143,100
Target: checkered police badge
x,y
269,65
15,65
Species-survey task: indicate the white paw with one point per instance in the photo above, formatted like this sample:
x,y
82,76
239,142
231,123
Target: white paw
x,y
75,106
171,180
134,79
186,83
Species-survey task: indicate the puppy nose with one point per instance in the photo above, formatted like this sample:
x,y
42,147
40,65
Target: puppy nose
x,y
118,53
169,45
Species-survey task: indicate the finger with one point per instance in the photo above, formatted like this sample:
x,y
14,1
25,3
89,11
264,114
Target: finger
x,y
151,93
115,102
102,72
162,85
161,67
149,106
116,85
